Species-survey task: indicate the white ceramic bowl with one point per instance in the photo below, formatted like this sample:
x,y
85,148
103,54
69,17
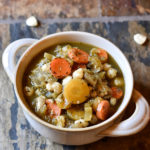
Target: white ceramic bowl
x,y
78,136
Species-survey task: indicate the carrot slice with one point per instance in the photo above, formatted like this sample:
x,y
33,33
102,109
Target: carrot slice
x,y
78,56
103,110
116,92
103,55
52,109
60,68
77,66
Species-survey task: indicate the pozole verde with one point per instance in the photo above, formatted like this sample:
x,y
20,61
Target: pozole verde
x,y
73,85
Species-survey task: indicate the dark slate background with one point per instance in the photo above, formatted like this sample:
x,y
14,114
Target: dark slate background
x,y
16,133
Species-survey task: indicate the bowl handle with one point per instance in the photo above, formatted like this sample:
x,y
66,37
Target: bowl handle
x,y
9,55
135,123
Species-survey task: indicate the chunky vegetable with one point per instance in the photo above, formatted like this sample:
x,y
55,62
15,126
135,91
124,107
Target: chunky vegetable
x,y
103,110
40,102
117,92
66,80
60,68
87,112
111,73
76,91
118,81
79,56
103,55
52,109
78,73
113,101
56,87
80,124
75,113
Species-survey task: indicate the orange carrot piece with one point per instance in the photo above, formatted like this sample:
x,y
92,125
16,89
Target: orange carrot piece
x,y
78,56
60,68
52,109
116,92
103,110
103,55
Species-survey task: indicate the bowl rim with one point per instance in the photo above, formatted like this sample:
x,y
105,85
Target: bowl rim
x,y
38,119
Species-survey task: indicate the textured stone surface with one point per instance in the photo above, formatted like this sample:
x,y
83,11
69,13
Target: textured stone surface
x,y
16,133
22,9
124,7
48,8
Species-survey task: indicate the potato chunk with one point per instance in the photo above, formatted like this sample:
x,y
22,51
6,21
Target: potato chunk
x,y
60,121
75,113
76,91
87,113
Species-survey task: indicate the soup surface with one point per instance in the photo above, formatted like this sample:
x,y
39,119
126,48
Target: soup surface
x,y
73,85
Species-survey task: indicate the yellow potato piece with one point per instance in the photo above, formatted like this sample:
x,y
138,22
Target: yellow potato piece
x,y
87,113
76,91
75,113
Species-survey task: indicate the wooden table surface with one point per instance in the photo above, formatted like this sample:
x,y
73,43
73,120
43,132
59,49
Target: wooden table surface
x,y
115,20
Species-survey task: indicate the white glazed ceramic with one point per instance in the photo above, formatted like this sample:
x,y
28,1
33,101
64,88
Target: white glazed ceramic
x,y
79,136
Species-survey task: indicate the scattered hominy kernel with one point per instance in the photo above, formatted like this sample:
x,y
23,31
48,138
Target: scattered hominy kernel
x,y
80,123
140,38
111,73
32,21
49,87
107,66
66,80
118,81
78,73
113,101
57,87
